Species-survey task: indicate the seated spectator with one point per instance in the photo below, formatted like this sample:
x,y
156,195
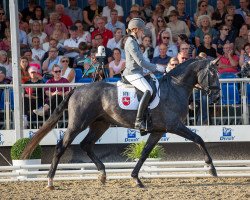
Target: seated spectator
x,y
83,54
39,16
53,43
23,39
160,25
245,55
36,32
106,34
165,37
54,95
228,62
151,25
52,59
173,62
233,32
202,9
115,42
37,51
113,24
177,26
23,25
183,54
73,11
59,34
116,66
147,9
218,17
238,20
3,79
3,23
163,58
149,50
111,5
83,35
204,26
62,16
67,72
206,47
160,9
32,62
242,39
168,7
182,38
5,43
133,13
243,10
50,6
28,12
124,39
24,65
33,97
4,62
183,16
221,39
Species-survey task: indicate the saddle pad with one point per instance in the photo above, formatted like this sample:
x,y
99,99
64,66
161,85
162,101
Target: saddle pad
x,y
127,98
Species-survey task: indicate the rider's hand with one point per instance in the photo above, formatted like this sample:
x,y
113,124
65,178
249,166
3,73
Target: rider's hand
x,y
160,68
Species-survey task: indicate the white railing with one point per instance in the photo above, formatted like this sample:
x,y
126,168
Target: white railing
x,y
122,170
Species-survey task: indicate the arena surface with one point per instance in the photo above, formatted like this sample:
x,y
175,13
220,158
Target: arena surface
x,y
191,188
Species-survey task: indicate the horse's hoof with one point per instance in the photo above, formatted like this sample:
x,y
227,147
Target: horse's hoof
x,y
102,178
138,183
50,187
213,172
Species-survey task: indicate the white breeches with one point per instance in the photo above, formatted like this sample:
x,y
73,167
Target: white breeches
x,y
139,82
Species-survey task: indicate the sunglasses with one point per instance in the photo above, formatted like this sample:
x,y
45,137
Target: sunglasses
x,y
165,38
229,20
203,5
59,71
184,48
63,61
174,64
1,13
226,29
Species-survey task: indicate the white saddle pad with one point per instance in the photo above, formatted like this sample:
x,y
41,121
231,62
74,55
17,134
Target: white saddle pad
x,y
127,97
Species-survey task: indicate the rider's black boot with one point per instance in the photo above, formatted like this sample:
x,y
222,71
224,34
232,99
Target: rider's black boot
x,y
140,123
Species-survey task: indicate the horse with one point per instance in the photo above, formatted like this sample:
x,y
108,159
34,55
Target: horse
x,y
96,106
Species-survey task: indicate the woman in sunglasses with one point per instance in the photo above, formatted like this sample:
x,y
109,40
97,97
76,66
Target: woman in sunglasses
x,y
67,72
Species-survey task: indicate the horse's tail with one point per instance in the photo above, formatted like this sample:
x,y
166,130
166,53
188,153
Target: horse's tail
x,y
47,127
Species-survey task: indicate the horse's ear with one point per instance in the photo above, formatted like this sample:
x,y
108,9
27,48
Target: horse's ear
x,y
214,62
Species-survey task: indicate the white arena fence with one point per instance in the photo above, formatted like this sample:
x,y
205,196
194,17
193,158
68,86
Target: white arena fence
x,y
122,170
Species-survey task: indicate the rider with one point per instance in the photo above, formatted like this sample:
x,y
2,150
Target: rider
x,y
133,72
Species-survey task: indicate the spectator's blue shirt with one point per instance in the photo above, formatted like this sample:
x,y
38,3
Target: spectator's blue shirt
x,y
118,24
161,61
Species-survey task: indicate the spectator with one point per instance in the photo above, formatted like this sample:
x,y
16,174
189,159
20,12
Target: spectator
x,y
149,50
62,16
243,10
233,32
113,24
3,22
50,6
173,62
167,7
147,9
183,16
116,66
4,62
204,26
163,58
106,34
111,5
182,38
3,79
202,10
221,39
54,94
91,11
160,8
94,26
37,51
24,64
115,42
177,26
83,54
228,62
238,20
50,27
36,32
242,39
183,54
52,59
58,33
245,54
5,43
33,97
83,35
133,13
165,37
32,62
206,47
123,45
91,66
67,72
160,25
39,15
52,43
23,25
218,17
152,27
29,11
23,39
73,11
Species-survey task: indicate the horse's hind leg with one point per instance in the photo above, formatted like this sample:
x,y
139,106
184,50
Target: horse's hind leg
x,y
183,131
96,130
150,144
62,145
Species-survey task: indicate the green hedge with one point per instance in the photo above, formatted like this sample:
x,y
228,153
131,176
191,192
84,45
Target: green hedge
x,y
19,146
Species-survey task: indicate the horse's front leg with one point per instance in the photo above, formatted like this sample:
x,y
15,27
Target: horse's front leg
x,y
150,144
181,130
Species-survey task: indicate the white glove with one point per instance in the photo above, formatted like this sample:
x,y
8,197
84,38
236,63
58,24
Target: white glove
x,y
160,68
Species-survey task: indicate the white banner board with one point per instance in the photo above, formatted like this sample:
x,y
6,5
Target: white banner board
x,y
117,135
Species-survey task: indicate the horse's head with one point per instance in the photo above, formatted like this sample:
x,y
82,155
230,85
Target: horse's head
x,y
209,81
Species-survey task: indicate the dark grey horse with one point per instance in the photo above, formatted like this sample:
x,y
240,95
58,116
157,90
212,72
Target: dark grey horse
x,y
95,106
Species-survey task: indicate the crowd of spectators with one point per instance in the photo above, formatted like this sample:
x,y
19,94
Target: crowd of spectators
x,y
67,37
